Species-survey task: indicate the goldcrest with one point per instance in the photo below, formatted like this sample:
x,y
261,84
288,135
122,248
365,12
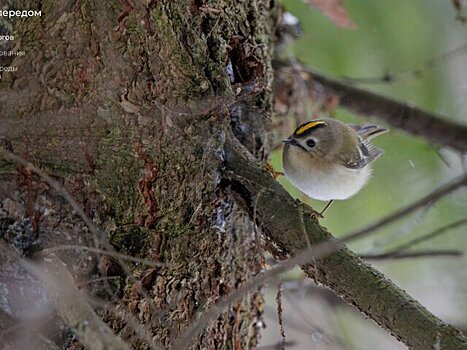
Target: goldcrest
x,y
327,159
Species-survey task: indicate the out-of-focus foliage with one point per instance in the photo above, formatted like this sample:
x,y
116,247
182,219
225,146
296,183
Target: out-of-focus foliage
x,y
409,40
335,10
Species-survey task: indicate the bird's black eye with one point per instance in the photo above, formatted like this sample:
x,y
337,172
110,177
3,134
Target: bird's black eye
x,y
311,143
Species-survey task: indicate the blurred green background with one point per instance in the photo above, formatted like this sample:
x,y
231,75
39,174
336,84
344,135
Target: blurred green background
x,y
396,37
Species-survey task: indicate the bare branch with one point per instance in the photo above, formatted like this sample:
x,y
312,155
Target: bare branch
x,y
413,72
397,252
280,314
96,231
435,128
279,345
431,235
411,255
72,307
101,251
428,199
119,311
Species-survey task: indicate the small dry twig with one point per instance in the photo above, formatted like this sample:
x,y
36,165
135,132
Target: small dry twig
x,y
280,314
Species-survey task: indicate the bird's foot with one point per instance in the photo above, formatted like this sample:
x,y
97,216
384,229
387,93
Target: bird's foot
x,y
316,214
275,174
305,209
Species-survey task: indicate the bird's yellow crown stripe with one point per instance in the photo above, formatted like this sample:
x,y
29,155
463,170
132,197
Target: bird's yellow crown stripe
x,y
308,126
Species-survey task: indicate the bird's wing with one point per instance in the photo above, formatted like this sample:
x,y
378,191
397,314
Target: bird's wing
x,y
367,153
368,131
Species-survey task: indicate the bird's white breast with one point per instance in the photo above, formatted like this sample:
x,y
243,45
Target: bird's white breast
x,y
327,182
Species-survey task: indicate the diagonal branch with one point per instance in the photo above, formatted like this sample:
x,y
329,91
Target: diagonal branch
x,y
69,302
72,306
278,216
400,251
435,128
410,255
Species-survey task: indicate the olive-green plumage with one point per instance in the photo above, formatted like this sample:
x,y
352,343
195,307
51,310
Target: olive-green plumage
x,y
328,159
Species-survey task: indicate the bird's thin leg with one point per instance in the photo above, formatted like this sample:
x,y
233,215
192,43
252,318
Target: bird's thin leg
x,y
326,207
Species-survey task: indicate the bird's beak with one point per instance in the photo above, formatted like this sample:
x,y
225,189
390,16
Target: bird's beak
x,y
292,142
289,141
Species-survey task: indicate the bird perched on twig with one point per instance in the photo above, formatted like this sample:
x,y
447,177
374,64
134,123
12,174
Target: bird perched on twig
x,y
328,159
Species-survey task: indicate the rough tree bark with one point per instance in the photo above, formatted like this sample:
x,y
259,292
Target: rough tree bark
x,y
125,103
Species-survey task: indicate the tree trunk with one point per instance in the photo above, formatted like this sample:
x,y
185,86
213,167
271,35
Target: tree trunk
x,y
128,104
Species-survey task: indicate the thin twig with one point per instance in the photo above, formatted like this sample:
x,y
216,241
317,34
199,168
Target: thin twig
x,y
142,331
396,253
331,339
99,235
430,198
416,72
411,255
428,236
101,251
277,346
302,223
280,314
95,230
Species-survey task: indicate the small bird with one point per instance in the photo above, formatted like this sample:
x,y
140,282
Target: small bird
x,y
328,159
